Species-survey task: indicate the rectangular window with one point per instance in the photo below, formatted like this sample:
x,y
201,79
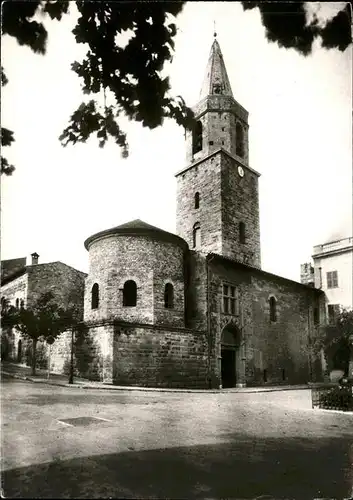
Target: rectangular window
x,y
229,299
333,311
332,279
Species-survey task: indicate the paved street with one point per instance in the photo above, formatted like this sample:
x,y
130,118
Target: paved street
x,y
62,442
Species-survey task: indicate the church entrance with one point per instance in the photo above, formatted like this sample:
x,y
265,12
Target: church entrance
x,y
228,367
19,351
230,343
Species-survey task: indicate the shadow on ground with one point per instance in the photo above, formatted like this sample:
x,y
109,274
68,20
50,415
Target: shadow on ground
x,y
239,468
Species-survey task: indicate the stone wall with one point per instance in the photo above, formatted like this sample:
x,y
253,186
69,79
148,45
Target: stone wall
x,y
155,357
142,355
240,203
151,263
226,200
65,282
16,289
205,178
273,352
196,294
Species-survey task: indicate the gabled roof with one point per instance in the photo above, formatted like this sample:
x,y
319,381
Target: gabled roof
x,y
12,268
216,79
138,227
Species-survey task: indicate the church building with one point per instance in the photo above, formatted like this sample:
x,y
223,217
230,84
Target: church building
x,y
195,309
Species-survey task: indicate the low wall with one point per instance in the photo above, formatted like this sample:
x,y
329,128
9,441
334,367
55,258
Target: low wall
x,y
155,357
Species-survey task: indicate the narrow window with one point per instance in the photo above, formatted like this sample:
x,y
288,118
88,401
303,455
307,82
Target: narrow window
x,y
95,296
239,147
265,375
283,374
197,138
273,309
129,293
242,232
169,296
17,303
3,303
332,279
197,235
197,200
22,304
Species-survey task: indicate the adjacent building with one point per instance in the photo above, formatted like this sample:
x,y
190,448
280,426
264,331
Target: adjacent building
x,y
332,272
22,285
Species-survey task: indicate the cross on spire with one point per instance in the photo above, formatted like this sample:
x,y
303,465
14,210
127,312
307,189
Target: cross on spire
x,y
214,29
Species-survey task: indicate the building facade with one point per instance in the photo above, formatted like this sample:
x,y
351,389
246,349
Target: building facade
x,y
332,272
195,309
21,286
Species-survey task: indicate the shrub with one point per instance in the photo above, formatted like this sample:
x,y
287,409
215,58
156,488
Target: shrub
x,y
337,398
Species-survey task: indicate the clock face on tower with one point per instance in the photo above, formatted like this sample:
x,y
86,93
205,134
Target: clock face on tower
x,y
240,171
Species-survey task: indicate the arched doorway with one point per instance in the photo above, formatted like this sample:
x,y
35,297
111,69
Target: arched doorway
x,y
19,351
230,342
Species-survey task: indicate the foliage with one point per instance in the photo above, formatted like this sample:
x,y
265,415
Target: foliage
x,y
44,319
286,23
8,314
130,76
337,398
337,341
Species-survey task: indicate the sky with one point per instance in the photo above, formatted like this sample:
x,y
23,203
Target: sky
x,y
300,141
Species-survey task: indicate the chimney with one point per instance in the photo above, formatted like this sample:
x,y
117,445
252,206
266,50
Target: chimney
x,y
35,257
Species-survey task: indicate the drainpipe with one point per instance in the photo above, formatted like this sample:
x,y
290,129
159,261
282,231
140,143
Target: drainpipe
x,y
310,346
209,258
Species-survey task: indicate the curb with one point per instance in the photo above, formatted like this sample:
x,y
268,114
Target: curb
x,y
111,387
108,387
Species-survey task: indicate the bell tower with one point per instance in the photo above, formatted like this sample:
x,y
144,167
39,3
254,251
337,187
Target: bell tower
x,y
217,191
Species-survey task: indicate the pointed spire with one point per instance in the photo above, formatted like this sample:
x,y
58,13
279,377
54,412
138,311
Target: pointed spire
x,y
216,80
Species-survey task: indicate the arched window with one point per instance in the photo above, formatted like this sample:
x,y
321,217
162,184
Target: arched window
x,y
17,303
95,296
273,309
197,138
169,296
3,303
242,232
129,293
196,235
197,200
22,304
239,138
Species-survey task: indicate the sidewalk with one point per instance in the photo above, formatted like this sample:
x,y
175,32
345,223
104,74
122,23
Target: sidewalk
x,y
24,373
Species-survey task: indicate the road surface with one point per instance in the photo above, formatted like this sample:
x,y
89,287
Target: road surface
x,y
60,442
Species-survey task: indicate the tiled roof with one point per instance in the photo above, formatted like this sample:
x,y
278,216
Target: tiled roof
x,y
138,227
